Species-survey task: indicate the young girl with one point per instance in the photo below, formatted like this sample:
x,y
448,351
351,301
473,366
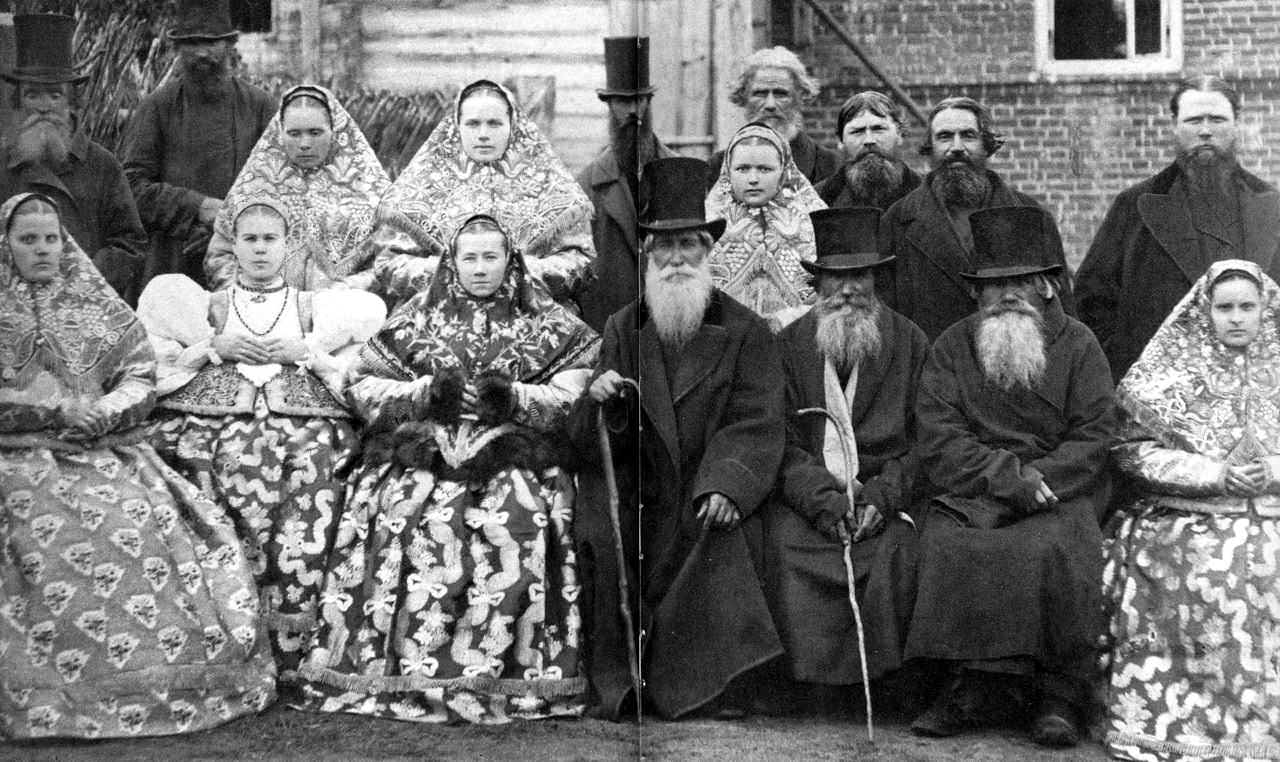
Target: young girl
x,y
251,386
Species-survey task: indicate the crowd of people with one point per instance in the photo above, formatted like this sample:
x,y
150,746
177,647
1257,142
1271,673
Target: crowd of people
x,y
490,442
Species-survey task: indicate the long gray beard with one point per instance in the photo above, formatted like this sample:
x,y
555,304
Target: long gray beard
x,y
787,127
848,334
963,186
39,140
1011,347
874,178
677,307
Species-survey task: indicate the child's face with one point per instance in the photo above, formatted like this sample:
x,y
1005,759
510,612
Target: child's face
x,y
259,246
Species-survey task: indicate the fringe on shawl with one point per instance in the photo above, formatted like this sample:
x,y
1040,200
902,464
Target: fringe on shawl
x,y
540,687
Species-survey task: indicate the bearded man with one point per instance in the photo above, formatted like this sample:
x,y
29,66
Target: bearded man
x,y
773,88
612,179
697,452
1163,233
1016,418
870,130
189,139
928,229
45,153
861,361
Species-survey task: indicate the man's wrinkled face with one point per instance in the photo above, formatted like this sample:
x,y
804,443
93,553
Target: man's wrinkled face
x,y
625,111
856,289
1205,128
771,98
1016,294
47,102
866,133
956,139
205,58
676,255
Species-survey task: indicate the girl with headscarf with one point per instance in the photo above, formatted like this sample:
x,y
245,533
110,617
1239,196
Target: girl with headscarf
x,y
486,157
765,201
126,604
251,411
452,591
1191,574
315,165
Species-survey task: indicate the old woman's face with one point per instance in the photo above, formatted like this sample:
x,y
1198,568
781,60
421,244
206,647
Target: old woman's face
x,y
484,125
36,242
1235,308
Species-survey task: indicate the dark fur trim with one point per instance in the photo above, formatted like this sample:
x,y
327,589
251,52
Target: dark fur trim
x,y
495,400
444,402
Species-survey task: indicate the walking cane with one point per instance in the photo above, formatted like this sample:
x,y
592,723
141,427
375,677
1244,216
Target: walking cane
x,y
851,475
624,589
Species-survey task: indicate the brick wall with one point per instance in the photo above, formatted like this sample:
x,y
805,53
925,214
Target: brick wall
x,y
1074,143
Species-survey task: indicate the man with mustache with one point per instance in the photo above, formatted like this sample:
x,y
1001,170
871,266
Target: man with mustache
x,y
928,229
189,139
696,452
773,88
861,361
43,152
612,179
1162,234
870,130
1016,419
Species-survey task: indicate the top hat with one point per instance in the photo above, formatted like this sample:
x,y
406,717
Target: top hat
x,y
626,67
846,240
677,190
1010,242
203,20
44,49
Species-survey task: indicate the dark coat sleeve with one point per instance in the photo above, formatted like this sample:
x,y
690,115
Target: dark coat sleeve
x,y
162,207
1067,297
893,488
1100,278
621,414
742,457
805,484
123,240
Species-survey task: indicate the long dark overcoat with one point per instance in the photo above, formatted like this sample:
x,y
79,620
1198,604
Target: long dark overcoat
x,y
999,578
806,576
1147,254
719,428
928,288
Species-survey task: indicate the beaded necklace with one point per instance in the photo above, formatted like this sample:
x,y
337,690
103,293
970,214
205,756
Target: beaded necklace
x,y
260,292
283,304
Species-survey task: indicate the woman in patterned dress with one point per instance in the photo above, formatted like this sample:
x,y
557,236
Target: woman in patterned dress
x,y
251,411
765,200
126,603
452,591
314,164
486,157
1192,574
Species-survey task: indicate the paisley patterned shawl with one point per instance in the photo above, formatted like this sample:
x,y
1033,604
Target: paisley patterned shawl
x,y
772,239
516,331
77,318
1190,392
330,209
529,190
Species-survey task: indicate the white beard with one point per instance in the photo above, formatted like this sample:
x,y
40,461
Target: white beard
x,y
848,334
677,306
1011,347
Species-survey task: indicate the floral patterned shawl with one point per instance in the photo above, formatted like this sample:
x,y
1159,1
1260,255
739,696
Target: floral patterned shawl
x,y
528,190
527,337
330,209
757,259
77,319
1190,392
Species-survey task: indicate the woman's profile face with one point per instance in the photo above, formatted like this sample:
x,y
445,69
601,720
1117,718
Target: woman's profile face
x,y
1235,308
482,261
36,242
484,126
755,172
307,134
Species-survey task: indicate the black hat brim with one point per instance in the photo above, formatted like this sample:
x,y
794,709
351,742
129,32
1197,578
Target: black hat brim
x,y
846,263
18,77
1015,271
204,36
606,93
714,227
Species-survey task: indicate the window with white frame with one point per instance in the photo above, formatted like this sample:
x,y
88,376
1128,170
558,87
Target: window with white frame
x,y
1108,37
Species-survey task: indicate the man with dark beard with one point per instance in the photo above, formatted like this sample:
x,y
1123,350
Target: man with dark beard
x,y
612,179
928,229
1162,234
189,139
696,452
773,88
860,361
870,130
44,153
1016,418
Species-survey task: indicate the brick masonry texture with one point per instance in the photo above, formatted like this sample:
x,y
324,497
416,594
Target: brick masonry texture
x,y
1073,143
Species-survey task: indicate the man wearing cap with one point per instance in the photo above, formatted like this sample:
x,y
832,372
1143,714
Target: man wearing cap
x,y
1016,418
773,88
870,130
612,179
43,152
699,449
928,229
860,361
189,139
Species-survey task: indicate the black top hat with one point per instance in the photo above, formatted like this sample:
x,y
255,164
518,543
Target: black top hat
x,y
846,240
44,49
677,191
203,20
1010,242
626,67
